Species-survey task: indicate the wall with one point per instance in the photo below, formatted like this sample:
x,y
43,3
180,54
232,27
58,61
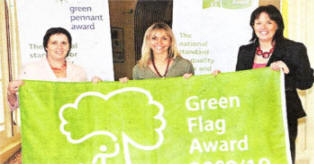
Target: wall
x,y
273,2
122,15
300,28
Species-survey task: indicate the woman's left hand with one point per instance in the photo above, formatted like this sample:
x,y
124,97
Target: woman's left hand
x,y
279,65
215,72
187,75
96,79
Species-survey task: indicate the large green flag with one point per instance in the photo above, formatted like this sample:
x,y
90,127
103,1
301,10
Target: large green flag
x,y
233,118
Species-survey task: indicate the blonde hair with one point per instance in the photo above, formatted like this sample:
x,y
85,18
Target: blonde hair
x,y
147,51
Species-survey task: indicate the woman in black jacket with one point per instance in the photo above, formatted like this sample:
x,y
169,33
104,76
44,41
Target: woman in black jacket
x,y
269,48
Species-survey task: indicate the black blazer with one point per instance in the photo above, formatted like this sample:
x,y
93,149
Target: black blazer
x,y
300,76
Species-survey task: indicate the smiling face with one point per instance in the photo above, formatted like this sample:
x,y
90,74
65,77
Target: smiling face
x,y
264,27
58,46
159,41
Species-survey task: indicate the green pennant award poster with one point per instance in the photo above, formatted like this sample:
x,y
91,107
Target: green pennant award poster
x,y
233,118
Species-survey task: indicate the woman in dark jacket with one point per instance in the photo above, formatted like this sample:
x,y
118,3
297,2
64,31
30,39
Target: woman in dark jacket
x,y
269,48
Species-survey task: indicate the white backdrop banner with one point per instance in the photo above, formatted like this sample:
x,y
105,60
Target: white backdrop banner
x,y
87,21
209,32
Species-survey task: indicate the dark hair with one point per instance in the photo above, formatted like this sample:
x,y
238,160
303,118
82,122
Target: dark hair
x,y
274,14
57,30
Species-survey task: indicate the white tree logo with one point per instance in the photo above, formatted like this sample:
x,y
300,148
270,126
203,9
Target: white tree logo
x,y
126,139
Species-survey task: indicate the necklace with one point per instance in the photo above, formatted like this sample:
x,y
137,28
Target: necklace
x,y
266,54
56,69
156,70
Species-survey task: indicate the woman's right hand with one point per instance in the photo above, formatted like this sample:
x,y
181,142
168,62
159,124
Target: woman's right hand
x,y
123,79
14,86
187,75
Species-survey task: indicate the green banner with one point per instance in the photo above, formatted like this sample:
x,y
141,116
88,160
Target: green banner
x,y
233,118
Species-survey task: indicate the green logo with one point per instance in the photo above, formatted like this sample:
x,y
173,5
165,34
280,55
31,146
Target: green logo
x,y
228,4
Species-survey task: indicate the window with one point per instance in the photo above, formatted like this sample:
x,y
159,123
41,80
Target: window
x,y
9,121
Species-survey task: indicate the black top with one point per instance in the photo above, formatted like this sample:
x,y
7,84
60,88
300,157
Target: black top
x,y
300,76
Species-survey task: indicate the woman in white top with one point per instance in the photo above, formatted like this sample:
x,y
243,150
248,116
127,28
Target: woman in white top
x,y
54,67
